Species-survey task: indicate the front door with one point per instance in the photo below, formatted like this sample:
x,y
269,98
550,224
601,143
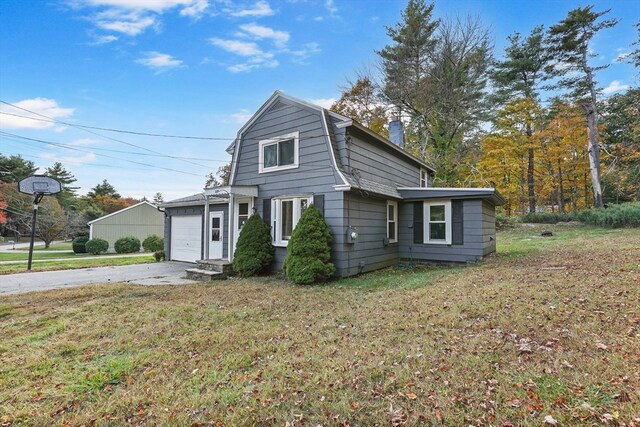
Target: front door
x,y
243,207
216,236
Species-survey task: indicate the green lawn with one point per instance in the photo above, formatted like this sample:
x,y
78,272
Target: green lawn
x,y
74,263
548,328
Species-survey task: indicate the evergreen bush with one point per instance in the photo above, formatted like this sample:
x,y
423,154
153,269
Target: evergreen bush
x,y
96,246
127,245
309,251
153,243
78,244
254,250
613,216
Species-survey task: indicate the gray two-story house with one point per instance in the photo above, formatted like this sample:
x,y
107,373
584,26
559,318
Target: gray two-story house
x,y
376,198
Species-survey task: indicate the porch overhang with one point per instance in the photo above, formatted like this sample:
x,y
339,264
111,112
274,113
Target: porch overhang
x,y
235,190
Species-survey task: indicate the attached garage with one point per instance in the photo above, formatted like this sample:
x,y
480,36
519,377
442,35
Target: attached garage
x,y
186,232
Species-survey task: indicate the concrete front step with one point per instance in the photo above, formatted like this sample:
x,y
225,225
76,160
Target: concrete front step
x,y
204,275
219,265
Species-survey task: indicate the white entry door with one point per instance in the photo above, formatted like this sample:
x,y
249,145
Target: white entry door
x,y
216,236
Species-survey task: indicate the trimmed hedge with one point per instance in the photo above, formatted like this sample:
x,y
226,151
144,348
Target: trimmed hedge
x,y
254,250
96,246
309,251
153,243
127,245
78,244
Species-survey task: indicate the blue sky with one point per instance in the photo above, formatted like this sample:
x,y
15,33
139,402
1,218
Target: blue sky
x,y
201,68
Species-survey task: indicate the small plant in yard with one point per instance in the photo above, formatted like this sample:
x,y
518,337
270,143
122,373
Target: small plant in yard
x,y
159,256
309,250
78,244
127,245
254,251
96,246
153,243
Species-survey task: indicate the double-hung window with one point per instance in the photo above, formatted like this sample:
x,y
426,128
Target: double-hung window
x,y
424,178
279,153
286,214
437,220
392,221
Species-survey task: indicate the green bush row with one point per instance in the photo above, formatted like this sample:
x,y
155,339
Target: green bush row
x,y
96,246
613,216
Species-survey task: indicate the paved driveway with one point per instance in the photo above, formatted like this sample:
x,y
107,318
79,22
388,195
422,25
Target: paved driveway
x,y
161,273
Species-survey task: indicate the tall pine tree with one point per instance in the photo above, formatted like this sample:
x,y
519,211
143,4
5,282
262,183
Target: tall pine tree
x,y
569,42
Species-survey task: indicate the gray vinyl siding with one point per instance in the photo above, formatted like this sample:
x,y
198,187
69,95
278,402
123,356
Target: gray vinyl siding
x,y
474,236
369,251
196,210
316,173
378,163
140,221
488,227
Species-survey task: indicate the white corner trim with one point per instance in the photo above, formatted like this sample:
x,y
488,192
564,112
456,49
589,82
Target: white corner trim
x,y
330,147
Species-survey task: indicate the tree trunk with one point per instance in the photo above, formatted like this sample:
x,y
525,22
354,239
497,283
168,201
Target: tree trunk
x,y
594,155
561,189
530,172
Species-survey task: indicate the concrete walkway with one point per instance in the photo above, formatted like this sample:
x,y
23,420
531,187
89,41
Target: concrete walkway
x,y
161,273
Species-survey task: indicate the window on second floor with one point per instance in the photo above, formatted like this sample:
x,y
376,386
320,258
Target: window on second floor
x,y
424,178
278,153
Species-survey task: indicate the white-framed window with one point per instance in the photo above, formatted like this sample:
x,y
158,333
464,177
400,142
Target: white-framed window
x,y
437,221
279,153
392,221
424,178
286,212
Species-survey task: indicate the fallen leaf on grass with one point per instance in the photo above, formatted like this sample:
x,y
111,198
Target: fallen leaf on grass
x,y
550,420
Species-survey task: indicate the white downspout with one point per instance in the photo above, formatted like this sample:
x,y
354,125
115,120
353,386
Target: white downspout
x,y
205,234
232,222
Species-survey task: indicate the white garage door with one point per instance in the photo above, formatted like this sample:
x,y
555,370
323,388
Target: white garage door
x,y
186,235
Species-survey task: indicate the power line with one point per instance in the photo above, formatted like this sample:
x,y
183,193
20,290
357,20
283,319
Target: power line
x,y
88,151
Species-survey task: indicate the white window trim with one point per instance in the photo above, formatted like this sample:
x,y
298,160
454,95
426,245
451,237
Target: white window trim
x,y
276,212
447,220
296,163
426,178
395,221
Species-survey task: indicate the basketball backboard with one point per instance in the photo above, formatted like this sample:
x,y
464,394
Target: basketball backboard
x,y
39,184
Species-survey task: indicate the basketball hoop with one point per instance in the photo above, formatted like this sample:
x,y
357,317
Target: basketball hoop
x,y
38,186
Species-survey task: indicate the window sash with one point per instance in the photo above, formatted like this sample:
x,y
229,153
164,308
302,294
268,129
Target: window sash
x,y
286,214
279,153
392,221
437,219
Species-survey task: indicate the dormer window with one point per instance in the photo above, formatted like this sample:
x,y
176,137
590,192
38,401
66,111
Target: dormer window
x,y
279,153
424,178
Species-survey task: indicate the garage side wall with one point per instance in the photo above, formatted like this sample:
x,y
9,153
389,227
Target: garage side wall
x,y
141,222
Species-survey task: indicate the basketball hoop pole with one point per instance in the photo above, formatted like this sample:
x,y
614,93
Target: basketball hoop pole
x,y
36,199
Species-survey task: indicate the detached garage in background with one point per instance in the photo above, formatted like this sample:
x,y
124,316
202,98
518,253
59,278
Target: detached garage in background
x,y
140,220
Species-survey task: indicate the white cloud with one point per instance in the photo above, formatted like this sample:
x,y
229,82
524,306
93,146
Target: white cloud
x,y
133,17
307,50
260,8
331,7
84,142
323,102
131,24
241,117
87,158
237,47
159,61
622,57
31,119
280,38
614,86
100,40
